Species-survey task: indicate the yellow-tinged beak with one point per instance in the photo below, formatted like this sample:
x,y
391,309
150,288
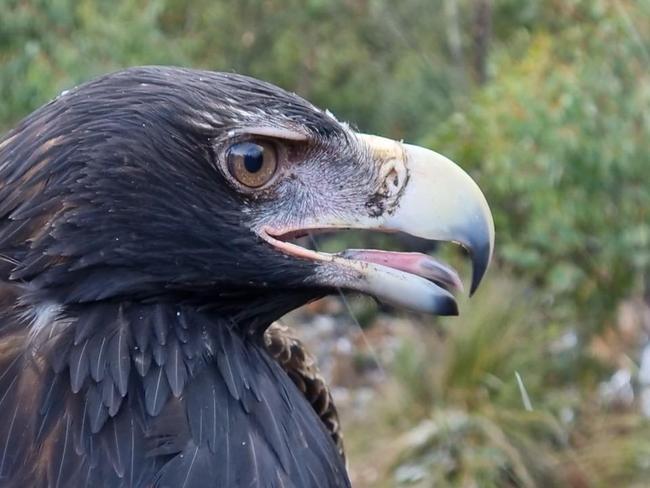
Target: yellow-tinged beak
x,y
439,202
418,192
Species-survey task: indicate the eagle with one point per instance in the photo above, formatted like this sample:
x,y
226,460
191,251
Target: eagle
x,y
148,227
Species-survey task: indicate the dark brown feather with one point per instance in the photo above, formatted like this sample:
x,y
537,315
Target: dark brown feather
x,y
130,345
292,355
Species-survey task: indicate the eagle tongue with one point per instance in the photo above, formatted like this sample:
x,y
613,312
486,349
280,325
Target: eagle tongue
x,y
410,262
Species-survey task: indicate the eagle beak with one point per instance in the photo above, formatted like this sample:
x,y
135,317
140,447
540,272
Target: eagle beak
x,y
418,192
428,196
438,201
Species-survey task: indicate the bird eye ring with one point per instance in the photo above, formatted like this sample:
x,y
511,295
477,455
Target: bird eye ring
x,y
252,163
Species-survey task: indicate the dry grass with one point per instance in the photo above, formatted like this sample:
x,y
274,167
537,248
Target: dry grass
x,y
452,413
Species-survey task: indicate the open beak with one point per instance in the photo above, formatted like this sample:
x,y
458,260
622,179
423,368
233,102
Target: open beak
x,y
424,194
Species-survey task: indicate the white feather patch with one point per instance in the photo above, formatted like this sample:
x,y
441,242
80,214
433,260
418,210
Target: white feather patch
x,y
46,321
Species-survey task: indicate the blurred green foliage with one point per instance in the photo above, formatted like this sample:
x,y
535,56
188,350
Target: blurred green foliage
x,y
550,111
354,57
480,408
559,140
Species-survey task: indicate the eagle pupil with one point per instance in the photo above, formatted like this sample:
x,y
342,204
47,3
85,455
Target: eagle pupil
x,y
253,157
252,163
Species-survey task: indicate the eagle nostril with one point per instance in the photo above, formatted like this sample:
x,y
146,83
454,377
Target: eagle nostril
x,y
392,176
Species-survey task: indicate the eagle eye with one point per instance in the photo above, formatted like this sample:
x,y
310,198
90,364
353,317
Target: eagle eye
x,y
252,163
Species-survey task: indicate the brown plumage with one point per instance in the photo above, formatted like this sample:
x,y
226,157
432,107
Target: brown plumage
x,y
292,355
139,272
116,371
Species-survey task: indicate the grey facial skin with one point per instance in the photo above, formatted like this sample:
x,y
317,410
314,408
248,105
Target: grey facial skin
x,y
390,187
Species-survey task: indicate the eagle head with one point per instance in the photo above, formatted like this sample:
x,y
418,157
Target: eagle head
x,y
158,184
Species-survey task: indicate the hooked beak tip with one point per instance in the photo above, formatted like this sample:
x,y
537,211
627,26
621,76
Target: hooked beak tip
x,y
481,257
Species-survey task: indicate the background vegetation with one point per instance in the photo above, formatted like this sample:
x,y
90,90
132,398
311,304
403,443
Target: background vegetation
x,y
547,104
